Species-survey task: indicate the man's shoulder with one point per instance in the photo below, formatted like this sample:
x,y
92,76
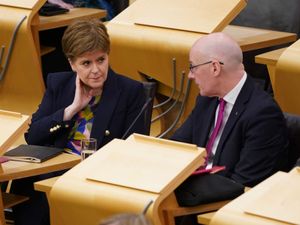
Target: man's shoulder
x,y
261,97
204,100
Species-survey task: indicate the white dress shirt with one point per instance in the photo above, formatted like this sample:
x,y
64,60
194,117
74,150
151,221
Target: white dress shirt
x,y
230,99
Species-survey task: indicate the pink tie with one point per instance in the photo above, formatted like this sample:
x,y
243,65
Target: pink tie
x,y
215,132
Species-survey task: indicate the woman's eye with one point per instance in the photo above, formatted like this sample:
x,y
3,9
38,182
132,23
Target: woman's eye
x,y
100,60
86,63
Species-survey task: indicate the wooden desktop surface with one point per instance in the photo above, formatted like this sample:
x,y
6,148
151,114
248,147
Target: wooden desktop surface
x,y
14,169
51,22
13,126
235,212
270,60
108,184
251,38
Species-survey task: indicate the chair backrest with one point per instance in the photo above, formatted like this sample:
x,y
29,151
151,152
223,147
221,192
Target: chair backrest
x,y
150,90
293,125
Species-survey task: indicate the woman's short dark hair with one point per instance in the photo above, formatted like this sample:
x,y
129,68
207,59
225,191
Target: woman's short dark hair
x,y
85,36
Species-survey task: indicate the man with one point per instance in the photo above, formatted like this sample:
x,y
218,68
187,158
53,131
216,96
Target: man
x,y
252,138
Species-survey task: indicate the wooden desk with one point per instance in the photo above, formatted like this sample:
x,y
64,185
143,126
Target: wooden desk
x,y
238,210
16,170
13,125
120,184
51,22
270,60
251,38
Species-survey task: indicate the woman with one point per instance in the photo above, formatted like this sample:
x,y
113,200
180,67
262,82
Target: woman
x,y
90,102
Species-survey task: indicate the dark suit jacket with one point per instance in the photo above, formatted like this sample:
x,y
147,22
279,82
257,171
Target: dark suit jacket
x,y
254,141
120,103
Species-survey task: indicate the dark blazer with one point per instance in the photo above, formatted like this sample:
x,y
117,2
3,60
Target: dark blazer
x,y
254,141
121,101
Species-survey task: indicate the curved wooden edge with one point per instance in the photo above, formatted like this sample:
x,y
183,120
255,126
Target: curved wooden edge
x,y
28,4
169,209
22,86
287,79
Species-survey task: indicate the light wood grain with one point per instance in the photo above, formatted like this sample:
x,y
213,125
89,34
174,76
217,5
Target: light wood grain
x,y
132,172
207,17
270,59
15,170
287,79
280,202
50,22
13,126
28,4
234,213
205,218
10,200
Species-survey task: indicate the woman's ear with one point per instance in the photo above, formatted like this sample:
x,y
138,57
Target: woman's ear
x,y
72,65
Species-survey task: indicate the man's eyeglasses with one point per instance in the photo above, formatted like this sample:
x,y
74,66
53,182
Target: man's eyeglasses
x,y
192,68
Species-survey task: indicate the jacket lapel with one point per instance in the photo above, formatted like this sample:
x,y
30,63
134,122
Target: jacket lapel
x,y
104,111
237,110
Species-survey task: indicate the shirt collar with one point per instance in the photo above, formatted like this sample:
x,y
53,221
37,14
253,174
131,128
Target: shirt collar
x,y
231,96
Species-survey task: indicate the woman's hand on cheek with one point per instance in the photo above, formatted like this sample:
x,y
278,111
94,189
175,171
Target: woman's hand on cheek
x,y
83,95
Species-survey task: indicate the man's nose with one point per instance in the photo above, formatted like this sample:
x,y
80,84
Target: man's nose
x,y
191,75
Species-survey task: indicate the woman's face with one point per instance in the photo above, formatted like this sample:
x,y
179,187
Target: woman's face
x,y
92,68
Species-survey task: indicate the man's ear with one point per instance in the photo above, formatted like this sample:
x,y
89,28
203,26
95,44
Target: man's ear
x,y
216,67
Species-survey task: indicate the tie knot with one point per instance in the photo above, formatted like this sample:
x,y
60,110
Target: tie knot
x,y
222,104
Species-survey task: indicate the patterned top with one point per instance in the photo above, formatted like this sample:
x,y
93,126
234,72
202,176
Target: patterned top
x,y
82,127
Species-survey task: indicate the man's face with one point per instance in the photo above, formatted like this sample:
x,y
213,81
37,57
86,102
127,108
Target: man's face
x,y
201,71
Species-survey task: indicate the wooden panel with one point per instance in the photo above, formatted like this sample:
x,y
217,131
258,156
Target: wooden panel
x,y
15,170
281,202
46,49
88,201
234,212
287,79
133,171
203,16
27,4
251,38
45,185
13,125
50,22
22,86
205,218
269,58
10,200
